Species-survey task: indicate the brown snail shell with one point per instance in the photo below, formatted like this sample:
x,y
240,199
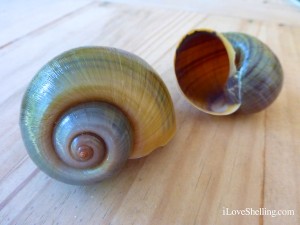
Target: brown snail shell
x,y
221,73
90,109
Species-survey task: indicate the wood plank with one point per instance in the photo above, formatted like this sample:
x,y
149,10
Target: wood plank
x,y
281,11
213,162
19,18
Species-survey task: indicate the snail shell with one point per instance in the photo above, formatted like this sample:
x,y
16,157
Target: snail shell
x,y
90,109
224,73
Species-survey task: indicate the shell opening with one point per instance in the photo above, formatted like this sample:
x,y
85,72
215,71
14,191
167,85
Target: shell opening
x,y
206,72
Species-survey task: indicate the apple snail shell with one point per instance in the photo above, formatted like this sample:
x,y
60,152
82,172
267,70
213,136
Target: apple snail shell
x,y
221,73
90,109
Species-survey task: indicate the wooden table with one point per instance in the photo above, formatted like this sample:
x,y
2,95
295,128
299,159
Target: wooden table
x,y
212,163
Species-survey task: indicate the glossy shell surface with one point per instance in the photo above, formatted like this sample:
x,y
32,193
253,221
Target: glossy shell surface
x,y
93,75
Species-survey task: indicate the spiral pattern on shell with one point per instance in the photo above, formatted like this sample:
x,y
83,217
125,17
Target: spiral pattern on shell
x,y
224,73
90,109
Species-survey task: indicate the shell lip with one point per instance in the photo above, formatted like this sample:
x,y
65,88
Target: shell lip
x,y
163,144
232,74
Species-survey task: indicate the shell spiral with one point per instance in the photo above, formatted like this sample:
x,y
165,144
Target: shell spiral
x,y
221,73
90,109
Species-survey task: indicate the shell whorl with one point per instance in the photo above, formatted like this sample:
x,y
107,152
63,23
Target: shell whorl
x,y
92,134
224,73
75,84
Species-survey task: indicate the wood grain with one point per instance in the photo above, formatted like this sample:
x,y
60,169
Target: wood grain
x,y
19,18
213,162
281,11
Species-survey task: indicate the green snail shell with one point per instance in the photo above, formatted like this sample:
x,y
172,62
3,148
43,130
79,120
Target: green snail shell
x,y
90,109
224,73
